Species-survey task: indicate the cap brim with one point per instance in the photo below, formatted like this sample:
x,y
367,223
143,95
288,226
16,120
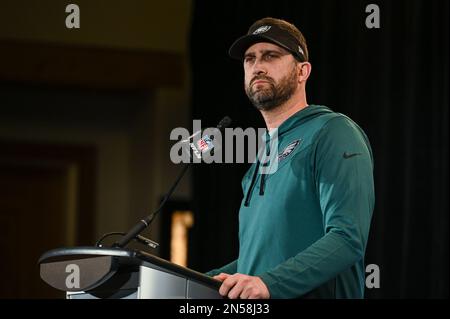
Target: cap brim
x,y
238,48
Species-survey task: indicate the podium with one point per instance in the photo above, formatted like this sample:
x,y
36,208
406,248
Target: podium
x,y
116,273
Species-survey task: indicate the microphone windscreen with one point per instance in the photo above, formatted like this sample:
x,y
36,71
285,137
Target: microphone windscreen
x,y
225,122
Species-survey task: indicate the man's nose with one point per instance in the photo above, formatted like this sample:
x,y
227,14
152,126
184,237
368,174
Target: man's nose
x,y
259,67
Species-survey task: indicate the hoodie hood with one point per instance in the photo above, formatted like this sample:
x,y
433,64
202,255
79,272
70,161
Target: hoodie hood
x,y
304,115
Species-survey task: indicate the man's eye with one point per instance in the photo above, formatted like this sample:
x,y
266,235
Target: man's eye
x,y
248,59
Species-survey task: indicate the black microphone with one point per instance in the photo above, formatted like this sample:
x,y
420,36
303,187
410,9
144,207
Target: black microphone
x,y
145,222
224,123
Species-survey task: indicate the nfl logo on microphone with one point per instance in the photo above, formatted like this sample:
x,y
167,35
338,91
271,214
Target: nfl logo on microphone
x,y
204,144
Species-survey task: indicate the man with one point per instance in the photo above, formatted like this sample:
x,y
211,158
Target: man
x,y
303,229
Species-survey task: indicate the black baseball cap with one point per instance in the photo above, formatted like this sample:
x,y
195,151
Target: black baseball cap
x,y
267,33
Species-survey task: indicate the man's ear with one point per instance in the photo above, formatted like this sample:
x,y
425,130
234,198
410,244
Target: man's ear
x,y
304,70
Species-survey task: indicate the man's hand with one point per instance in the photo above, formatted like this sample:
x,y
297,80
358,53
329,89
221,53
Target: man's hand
x,y
242,286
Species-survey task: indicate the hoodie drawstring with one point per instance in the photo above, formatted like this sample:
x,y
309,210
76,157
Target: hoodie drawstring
x,y
262,184
250,189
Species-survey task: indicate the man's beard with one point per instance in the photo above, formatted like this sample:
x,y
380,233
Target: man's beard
x,y
275,95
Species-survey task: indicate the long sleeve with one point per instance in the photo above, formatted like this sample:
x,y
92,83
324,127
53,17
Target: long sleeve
x,y
230,268
342,165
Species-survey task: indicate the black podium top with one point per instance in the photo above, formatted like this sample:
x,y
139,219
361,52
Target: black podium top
x,y
126,257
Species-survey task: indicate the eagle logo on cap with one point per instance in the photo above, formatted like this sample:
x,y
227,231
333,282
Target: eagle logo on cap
x,y
262,29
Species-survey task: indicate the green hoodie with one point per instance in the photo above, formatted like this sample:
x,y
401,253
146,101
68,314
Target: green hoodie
x,y
303,229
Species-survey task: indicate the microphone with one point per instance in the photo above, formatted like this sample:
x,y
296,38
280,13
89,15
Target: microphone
x,y
203,146
145,222
224,123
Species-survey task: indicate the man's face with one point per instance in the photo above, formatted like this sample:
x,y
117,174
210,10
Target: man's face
x,y
270,75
